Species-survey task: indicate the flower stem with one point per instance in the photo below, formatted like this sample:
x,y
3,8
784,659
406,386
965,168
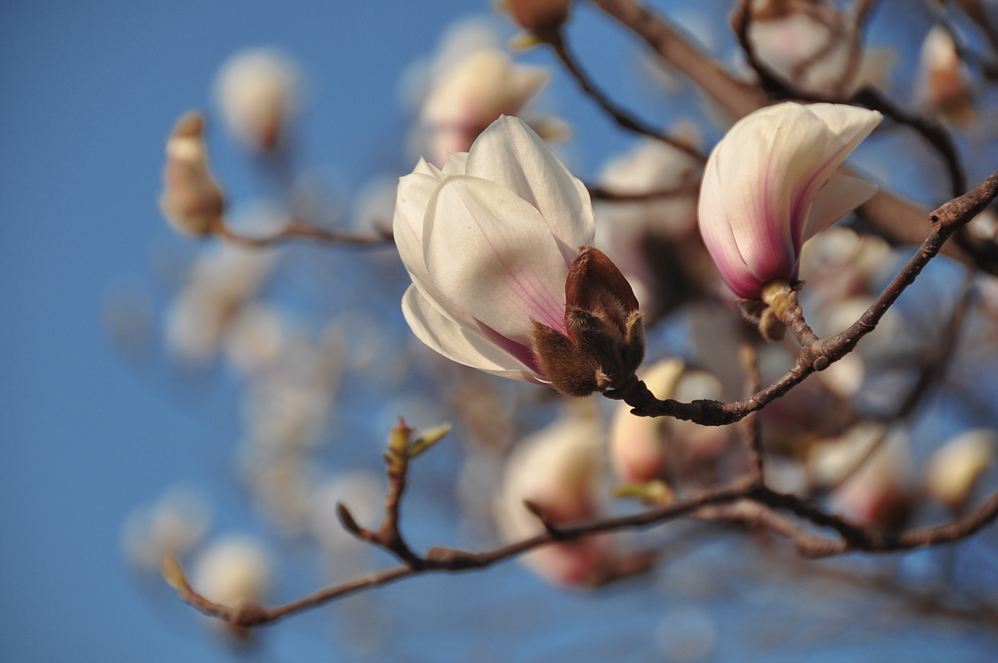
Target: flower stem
x,y
782,299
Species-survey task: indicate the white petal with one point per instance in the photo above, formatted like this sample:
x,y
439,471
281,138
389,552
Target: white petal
x,y
456,163
491,253
460,344
509,153
411,198
836,199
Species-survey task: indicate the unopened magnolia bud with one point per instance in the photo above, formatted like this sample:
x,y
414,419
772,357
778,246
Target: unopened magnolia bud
x,y
192,201
955,468
605,342
539,16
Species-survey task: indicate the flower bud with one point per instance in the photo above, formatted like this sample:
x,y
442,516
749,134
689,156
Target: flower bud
x,y
769,186
943,85
539,16
604,340
192,201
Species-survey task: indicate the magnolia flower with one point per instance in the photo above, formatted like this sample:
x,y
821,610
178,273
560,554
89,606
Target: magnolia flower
x,y
233,572
943,81
770,185
259,93
955,468
473,92
192,201
558,469
492,243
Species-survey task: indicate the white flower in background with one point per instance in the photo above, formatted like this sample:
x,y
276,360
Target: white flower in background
x,y
954,469
640,447
943,85
192,200
232,572
172,526
259,93
812,44
220,284
471,93
882,492
770,185
624,229
488,242
557,468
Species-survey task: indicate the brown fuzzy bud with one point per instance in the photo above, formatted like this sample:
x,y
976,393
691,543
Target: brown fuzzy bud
x,y
539,16
192,201
605,341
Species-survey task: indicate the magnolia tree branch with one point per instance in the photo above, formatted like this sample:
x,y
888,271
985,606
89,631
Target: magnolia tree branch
x,y
623,118
296,229
818,354
747,501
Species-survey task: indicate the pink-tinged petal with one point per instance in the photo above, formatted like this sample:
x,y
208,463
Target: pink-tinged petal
x,y
459,343
491,253
715,228
749,169
510,154
836,199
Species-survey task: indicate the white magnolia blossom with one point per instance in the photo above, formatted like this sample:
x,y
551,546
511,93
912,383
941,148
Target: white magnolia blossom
x,y
955,468
471,93
770,185
259,93
233,571
488,241
942,78
558,469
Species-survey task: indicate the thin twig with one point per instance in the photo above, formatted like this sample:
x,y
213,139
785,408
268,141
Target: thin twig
x,y
820,353
298,230
619,115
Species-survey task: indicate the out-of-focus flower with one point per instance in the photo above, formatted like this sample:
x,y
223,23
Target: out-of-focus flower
x,y
635,235
954,468
172,526
558,469
233,572
882,492
678,453
943,86
220,284
192,201
259,93
768,187
492,243
471,94
815,47
538,16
